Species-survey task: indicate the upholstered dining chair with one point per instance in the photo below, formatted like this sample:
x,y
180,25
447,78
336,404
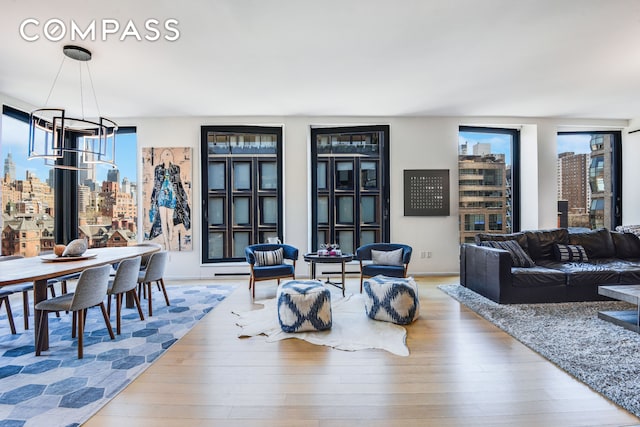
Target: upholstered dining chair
x,y
153,273
24,288
388,259
124,282
89,292
267,262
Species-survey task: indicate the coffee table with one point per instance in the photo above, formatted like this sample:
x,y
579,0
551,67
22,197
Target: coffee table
x,y
628,319
314,258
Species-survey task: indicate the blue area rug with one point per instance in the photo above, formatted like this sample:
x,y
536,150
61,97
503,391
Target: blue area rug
x,y
57,389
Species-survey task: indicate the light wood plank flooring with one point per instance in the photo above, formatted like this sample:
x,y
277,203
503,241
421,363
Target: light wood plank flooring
x,y
462,371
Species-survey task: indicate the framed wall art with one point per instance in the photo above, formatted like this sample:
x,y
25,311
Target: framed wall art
x,y
426,192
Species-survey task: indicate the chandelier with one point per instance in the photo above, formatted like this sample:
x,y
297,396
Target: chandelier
x,y
52,133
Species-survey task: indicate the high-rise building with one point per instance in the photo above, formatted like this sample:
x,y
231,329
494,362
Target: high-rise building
x,y
600,214
573,188
113,175
484,191
9,167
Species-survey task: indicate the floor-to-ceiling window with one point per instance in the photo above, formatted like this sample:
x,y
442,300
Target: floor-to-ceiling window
x,y
43,205
589,179
350,186
488,181
241,189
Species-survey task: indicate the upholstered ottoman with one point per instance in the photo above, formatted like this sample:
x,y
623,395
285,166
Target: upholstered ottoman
x,y
392,299
304,305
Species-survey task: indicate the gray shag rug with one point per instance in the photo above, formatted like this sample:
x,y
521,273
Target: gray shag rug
x,y
602,355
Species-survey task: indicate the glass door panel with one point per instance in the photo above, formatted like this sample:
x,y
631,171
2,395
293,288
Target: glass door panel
x,y
241,213
217,176
323,210
367,236
216,245
345,210
241,240
345,240
268,176
368,209
216,211
344,175
241,176
268,210
369,175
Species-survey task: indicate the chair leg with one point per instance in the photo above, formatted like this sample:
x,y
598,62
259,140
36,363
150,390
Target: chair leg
x,y
80,315
25,305
109,304
361,279
44,317
118,311
136,300
106,320
164,291
7,306
149,298
74,323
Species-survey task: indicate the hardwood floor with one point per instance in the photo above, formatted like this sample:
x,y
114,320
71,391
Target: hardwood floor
x,y
462,371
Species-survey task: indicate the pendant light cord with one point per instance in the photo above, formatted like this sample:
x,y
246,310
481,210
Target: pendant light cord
x,y
55,80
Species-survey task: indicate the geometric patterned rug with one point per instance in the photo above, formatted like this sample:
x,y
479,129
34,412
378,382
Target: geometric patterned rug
x,y
58,389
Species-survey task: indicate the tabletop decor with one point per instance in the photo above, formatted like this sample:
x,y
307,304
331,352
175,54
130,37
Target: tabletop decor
x,y
57,389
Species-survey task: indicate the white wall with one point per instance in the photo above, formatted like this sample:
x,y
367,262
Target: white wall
x,y
416,143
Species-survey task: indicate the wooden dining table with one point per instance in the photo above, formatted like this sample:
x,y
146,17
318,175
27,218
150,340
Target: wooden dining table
x,y
40,269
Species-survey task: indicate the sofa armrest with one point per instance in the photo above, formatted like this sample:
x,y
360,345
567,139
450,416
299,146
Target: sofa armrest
x,y
486,271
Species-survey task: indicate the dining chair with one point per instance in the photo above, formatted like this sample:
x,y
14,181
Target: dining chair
x,y
89,292
153,273
124,282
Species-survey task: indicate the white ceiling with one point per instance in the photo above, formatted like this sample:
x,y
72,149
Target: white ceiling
x,y
527,58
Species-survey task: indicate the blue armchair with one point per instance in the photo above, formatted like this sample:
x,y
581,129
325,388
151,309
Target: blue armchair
x,y
273,268
370,269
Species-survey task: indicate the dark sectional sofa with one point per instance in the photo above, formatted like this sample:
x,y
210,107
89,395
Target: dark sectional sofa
x,y
613,257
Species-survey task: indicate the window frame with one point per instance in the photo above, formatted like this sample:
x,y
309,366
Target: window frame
x,y
256,192
616,171
65,185
382,188
515,168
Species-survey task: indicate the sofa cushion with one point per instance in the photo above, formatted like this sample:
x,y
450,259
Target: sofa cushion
x,y
627,245
597,243
591,273
521,238
519,258
633,229
541,242
537,277
566,253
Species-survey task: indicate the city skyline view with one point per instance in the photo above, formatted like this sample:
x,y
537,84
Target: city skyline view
x,y
14,140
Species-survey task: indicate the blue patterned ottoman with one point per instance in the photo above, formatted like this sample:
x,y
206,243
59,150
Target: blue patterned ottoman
x,y
304,305
392,299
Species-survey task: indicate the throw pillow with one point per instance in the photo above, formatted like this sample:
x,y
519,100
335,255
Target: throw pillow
x,y
275,257
519,257
570,253
387,257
